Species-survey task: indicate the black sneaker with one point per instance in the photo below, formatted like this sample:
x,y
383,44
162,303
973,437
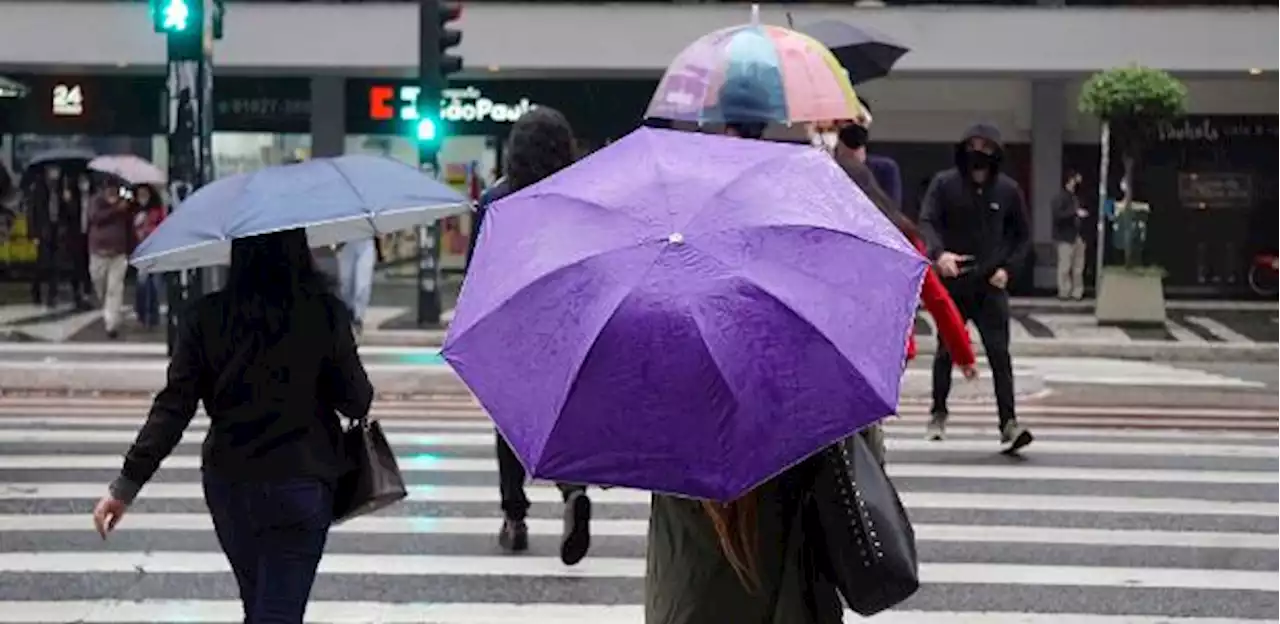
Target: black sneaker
x,y
577,528
113,334
514,536
936,431
1014,437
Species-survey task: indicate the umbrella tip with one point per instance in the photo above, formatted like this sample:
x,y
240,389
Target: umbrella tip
x,y
755,15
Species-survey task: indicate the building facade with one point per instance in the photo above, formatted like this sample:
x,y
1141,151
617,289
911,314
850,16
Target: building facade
x,y
323,78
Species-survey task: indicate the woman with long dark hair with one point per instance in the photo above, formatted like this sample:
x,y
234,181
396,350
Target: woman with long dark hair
x,y
541,143
149,211
937,301
273,359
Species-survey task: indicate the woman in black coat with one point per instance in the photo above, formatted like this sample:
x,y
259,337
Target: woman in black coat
x,y
273,359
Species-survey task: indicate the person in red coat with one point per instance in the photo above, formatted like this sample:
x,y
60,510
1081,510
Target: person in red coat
x,y
951,327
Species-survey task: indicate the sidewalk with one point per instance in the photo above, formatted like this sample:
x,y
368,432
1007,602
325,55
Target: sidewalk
x,y
1195,332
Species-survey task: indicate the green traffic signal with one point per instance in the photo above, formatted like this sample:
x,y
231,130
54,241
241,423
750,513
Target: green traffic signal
x,y
427,130
175,15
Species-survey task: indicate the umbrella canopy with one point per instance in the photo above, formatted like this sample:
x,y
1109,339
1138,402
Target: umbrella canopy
x,y
129,168
864,53
78,155
754,73
334,199
685,313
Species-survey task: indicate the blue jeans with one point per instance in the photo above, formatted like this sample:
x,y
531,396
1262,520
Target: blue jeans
x,y
147,299
273,535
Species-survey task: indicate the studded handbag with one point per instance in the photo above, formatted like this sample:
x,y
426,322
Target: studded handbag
x,y
864,542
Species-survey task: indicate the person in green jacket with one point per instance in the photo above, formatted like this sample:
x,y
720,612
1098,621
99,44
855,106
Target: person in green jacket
x,y
747,562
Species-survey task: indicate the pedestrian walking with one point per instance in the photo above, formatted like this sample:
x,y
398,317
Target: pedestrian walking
x,y
110,225
541,143
1068,229
149,211
271,357
974,222
356,260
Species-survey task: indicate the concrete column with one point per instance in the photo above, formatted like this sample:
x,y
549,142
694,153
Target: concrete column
x,y
328,116
1048,126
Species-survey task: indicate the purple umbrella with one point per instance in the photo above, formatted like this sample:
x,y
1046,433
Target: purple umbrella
x,y
685,313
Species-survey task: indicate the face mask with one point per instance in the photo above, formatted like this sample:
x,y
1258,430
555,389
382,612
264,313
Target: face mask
x,y
823,140
979,160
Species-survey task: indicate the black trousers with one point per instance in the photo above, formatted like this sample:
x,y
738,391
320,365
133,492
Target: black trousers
x,y
44,287
988,308
515,505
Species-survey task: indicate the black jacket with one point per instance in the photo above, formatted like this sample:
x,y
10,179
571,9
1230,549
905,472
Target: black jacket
x,y
271,406
493,194
987,221
1066,223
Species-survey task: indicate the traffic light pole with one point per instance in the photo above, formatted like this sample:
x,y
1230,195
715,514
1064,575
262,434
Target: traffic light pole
x,y
190,129
432,83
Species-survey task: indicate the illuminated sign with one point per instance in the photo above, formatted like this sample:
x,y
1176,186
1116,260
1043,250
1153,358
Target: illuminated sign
x,y
68,100
466,104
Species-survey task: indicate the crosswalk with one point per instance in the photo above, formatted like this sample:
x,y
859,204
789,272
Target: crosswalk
x,y
1115,516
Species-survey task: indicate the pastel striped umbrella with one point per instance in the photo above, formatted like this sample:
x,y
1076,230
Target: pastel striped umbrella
x,y
755,73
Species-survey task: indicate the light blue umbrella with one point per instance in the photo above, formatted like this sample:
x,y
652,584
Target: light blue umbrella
x,y
334,199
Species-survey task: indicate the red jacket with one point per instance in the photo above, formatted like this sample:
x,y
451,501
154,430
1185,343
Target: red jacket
x,y
945,316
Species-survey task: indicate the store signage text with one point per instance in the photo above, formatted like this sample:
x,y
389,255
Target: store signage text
x,y
68,100
466,104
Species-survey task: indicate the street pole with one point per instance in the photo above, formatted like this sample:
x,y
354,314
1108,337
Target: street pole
x,y
1104,168
190,128
432,83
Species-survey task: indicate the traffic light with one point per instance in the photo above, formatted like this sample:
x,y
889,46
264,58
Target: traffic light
x,y
449,63
182,23
427,129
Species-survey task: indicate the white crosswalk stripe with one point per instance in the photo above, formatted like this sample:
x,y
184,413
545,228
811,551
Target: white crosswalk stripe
x,y
1114,516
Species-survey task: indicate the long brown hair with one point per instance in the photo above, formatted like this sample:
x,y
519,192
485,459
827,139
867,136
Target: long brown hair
x,y
861,175
738,531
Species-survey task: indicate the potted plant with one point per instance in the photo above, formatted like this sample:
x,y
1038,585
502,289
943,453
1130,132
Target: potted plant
x,y
1131,102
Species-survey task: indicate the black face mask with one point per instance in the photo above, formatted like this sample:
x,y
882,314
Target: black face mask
x,y
980,161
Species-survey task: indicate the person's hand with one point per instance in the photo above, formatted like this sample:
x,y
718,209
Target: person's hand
x,y
1000,279
107,514
949,263
1082,213
970,372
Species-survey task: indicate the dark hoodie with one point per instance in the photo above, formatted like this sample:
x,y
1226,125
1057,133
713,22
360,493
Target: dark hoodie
x,y
986,221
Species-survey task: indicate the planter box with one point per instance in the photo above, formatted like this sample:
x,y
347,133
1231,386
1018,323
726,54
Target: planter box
x,y
1129,297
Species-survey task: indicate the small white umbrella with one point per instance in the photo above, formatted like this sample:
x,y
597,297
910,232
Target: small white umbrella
x,y
129,168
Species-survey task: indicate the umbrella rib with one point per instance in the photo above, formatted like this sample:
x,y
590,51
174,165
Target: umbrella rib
x,y
363,200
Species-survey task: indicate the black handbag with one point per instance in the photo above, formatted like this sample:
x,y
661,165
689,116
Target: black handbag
x,y
373,480
865,543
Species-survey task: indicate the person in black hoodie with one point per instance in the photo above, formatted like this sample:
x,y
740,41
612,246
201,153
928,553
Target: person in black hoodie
x,y
541,143
973,218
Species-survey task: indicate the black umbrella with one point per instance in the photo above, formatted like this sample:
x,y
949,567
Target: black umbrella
x,y
72,159
865,53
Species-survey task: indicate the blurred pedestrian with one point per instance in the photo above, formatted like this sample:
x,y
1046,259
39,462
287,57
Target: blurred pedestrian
x,y
271,357
53,222
110,228
852,140
973,218
953,335
1068,234
149,211
356,260
541,143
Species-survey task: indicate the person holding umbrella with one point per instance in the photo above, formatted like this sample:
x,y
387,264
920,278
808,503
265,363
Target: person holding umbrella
x,y
110,221
273,359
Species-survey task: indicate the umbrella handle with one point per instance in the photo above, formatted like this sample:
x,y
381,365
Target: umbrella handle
x,y
790,22
755,15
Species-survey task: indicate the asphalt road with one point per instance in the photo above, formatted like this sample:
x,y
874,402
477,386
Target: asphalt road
x,y
1093,519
